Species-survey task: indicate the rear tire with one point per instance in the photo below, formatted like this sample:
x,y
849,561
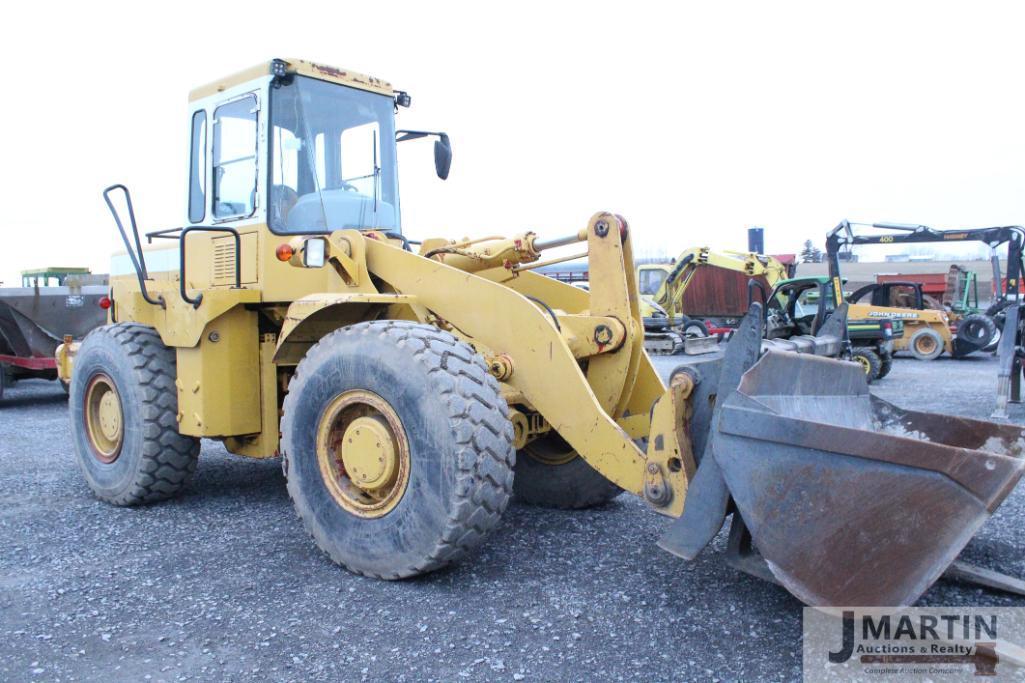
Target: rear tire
x,y
550,474
870,362
926,344
450,455
885,366
124,407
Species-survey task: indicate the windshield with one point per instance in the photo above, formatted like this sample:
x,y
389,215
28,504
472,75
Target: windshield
x,y
333,159
651,280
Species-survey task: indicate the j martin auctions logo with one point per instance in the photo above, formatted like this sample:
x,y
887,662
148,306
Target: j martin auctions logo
x,y
907,644
920,639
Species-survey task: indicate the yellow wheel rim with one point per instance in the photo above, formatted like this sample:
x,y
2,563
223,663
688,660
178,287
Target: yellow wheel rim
x,y
925,344
550,449
363,453
865,365
104,420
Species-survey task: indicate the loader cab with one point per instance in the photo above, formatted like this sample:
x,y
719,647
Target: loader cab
x,y
799,306
298,147
894,294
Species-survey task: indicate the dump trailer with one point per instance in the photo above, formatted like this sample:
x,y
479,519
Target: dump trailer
x,y
412,388
51,304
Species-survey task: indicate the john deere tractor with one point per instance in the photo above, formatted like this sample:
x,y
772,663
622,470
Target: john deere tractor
x,y
413,387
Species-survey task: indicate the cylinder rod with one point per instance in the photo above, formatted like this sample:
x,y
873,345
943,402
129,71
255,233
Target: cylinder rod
x,y
541,264
541,245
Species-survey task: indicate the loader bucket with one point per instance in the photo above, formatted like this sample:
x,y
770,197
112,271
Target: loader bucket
x,y
849,499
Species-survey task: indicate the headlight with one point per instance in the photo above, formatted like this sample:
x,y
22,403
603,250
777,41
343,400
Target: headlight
x,y
313,252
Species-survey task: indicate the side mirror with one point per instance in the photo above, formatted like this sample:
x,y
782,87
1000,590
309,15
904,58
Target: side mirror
x,y
442,156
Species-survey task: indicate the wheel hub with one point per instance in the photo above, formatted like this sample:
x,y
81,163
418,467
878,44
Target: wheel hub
x,y
368,453
926,344
103,418
363,453
110,415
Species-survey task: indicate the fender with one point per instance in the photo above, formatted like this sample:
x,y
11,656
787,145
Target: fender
x,y
313,316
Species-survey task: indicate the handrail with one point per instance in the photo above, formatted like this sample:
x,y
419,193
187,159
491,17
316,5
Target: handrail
x,y
181,266
136,255
166,234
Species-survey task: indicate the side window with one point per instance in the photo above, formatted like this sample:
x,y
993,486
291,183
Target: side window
x,y
197,169
235,158
780,300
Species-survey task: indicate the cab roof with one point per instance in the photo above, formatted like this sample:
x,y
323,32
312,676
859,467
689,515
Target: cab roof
x,y
54,271
299,66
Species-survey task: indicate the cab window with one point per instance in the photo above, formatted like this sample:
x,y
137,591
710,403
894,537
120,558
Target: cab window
x,y
197,169
651,280
234,181
808,302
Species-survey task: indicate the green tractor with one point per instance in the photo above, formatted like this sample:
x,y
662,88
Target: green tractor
x,y
802,305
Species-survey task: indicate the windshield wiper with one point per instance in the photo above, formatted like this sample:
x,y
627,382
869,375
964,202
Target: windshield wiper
x,y
377,175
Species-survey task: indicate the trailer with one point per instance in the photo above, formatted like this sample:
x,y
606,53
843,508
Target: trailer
x,y
52,304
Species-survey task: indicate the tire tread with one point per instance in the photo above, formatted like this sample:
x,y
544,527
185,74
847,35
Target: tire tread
x,y
169,458
478,416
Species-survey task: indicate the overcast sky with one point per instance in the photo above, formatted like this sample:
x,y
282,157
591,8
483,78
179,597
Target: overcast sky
x,y
694,121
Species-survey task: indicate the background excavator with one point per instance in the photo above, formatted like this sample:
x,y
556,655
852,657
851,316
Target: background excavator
x,y
411,388
700,293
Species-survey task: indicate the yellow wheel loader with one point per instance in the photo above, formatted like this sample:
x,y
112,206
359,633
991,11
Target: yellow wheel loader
x,y
413,388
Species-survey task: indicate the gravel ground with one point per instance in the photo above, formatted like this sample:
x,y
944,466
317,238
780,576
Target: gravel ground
x,y
223,584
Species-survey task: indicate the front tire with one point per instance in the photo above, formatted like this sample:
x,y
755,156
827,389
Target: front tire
x,y
124,406
398,448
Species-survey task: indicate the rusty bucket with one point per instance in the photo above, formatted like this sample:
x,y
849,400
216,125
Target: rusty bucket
x,y
845,498
849,499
